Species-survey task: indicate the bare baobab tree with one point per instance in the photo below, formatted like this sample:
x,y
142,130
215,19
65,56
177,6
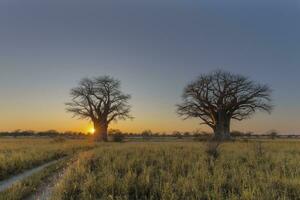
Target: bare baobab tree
x,y
218,97
101,101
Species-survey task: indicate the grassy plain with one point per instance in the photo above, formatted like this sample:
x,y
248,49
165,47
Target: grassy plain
x,y
174,171
20,154
266,169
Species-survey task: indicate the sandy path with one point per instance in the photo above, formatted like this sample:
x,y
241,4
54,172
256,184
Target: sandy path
x,y
5,184
45,190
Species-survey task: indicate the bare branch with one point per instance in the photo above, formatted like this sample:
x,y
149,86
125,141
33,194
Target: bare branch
x,y
221,96
99,99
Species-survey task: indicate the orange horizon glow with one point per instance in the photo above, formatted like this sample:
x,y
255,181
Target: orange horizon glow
x,y
57,119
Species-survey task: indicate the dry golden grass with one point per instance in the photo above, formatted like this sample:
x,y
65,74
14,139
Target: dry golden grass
x,y
175,171
17,155
253,170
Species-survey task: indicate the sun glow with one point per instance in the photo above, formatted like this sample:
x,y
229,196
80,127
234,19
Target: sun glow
x,y
91,130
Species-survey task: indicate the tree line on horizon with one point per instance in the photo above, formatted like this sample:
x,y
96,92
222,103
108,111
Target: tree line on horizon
x,y
146,134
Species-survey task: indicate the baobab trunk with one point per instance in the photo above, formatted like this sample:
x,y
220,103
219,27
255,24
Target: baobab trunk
x,y
100,131
222,128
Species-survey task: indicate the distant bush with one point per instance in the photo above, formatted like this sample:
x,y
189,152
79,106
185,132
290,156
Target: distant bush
x,y
177,134
187,134
49,133
202,136
241,134
59,140
116,135
237,133
146,134
273,134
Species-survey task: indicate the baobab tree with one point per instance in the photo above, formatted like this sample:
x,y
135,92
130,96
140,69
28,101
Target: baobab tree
x,y
218,97
101,101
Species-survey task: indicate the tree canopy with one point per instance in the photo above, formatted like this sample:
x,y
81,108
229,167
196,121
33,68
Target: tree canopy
x,y
100,100
220,96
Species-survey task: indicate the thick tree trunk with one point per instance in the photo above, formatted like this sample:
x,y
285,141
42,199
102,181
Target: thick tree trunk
x,y
222,128
100,131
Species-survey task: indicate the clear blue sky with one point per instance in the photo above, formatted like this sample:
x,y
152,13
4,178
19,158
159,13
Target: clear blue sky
x,y
155,47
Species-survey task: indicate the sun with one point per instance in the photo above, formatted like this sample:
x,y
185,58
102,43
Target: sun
x,y
91,130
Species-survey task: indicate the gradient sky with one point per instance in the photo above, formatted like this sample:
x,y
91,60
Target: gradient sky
x,y
155,47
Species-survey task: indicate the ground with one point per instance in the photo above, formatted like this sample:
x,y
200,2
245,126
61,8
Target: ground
x,y
168,170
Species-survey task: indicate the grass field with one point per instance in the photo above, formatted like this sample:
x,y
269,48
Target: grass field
x,y
17,155
268,169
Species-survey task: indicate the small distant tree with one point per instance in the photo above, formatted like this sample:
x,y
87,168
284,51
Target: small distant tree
x,y
218,97
186,134
146,133
273,134
249,134
101,101
116,135
177,134
237,133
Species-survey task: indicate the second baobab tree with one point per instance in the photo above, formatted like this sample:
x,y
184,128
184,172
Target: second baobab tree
x,y
101,101
218,97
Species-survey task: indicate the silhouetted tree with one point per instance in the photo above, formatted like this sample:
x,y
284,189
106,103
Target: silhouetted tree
x,y
273,134
177,134
218,97
116,135
186,134
147,134
100,100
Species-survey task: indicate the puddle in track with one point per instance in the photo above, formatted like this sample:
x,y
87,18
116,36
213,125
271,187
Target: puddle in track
x,y
6,184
